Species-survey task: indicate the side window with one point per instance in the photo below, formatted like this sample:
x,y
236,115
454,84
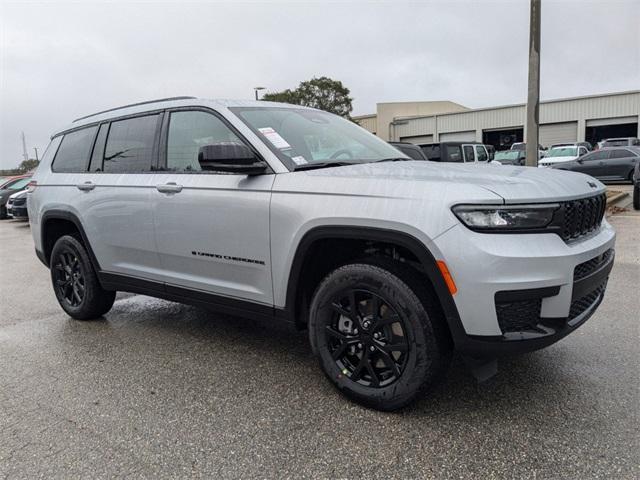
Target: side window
x,y
481,153
621,153
73,153
468,154
188,131
130,144
599,155
454,153
98,149
582,151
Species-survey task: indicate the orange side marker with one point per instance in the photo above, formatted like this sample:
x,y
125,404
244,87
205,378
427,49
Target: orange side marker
x,y
448,279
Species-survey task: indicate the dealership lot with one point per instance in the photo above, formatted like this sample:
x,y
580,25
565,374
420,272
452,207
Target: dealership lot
x,y
161,389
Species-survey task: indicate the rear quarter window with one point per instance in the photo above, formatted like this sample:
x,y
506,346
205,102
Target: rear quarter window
x,y
74,150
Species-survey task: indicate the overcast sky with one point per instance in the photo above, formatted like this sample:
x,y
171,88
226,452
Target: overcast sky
x,y
63,60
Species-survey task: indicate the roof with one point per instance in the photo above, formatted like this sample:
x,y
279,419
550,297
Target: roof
x,y
172,102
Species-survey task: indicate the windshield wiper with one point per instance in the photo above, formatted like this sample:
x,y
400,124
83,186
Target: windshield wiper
x,y
311,166
393,159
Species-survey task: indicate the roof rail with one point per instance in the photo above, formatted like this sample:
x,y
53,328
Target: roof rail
x,y
168,99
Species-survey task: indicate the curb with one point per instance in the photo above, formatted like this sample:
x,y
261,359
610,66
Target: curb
x,y
614,198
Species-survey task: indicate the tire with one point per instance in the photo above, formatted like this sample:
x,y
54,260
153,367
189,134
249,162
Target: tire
x,y
418,342
636,196
75,282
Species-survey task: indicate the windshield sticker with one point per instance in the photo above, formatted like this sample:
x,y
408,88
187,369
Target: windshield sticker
x,y
299,160
275,138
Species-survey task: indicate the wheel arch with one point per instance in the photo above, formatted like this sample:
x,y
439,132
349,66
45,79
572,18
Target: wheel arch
x,y
54,224
406,241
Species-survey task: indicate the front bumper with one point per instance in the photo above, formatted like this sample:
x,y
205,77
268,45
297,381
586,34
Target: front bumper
x,y
19,212
519,292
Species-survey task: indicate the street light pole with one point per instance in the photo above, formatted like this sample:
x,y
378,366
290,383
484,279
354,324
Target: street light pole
x,y
255,89
36,149
533,96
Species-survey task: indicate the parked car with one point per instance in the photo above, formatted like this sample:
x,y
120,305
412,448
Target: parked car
x,y
11,187
6,181
456,152
410,150
621,142
523,146
636,187
606,163
511,157
300,215
17,206
562,154
586,145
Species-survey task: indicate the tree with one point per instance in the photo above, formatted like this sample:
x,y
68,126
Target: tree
x,y
27,165
322,93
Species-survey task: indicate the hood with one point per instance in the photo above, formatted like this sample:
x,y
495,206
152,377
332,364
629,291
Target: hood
x,y
409,179
552,160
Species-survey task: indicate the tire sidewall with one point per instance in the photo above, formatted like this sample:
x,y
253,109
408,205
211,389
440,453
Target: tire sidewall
x,y
399,296
70,244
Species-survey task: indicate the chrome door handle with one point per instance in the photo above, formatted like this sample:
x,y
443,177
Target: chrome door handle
x,y
86,186
170,187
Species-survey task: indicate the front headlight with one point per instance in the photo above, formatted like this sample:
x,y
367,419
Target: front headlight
x,y
505,217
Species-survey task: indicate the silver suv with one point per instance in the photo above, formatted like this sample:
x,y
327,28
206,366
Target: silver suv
x,y
284,212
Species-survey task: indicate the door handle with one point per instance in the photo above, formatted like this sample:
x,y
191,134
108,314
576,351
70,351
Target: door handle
x,y
170,187
86,186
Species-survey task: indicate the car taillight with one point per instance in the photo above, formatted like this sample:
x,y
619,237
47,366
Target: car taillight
x,y
31,186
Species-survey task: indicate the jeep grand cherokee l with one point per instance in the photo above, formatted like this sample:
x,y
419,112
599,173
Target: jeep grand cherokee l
x,y
285,212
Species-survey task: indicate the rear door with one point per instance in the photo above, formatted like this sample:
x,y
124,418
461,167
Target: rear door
x,y
212,228
116,196
469,153
619,164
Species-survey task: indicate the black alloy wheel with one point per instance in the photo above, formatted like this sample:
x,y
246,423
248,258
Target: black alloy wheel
x,y
367,338
69,278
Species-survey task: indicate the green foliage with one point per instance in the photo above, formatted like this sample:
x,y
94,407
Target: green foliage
x,y
322,93
27,165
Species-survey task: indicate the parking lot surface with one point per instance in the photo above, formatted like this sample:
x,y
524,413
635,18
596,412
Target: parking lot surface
x,y
158,389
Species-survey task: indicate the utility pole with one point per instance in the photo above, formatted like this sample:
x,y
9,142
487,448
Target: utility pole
x,y
533,97
25,155
256,90
36,149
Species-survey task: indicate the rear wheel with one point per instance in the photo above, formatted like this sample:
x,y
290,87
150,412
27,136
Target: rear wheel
x,y
75,282
377,334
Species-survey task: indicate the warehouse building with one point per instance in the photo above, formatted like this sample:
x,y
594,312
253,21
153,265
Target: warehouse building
x,y
590,118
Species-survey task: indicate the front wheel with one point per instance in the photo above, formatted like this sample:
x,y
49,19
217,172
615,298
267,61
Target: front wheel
x,y
636,196
75,282
377,333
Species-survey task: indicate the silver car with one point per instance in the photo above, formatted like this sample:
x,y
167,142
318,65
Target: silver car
x,y
289,213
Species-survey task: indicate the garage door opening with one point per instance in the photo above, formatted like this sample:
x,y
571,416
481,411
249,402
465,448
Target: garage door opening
x,y
598,133
502,139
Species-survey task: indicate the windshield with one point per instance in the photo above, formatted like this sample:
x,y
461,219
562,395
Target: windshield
x,y
507,155
563,152
20,184
302,137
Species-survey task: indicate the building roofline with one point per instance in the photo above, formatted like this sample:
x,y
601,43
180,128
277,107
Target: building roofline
x,y
513,105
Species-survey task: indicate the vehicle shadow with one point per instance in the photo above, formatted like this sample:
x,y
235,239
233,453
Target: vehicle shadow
x,y
523,386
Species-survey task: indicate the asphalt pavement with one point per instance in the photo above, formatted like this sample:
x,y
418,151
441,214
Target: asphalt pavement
x,y
161,390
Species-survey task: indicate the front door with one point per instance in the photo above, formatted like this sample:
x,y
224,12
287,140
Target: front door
x,y
212,228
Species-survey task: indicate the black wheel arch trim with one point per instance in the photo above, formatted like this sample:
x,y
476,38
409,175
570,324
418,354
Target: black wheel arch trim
x,y
70,217
402,239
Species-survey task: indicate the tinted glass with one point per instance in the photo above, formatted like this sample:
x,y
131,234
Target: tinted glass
x,y
599,155
98,149
622,153
454,153
73,153
411,152
431,151
468,154
188,131
20,184
130,145
481,153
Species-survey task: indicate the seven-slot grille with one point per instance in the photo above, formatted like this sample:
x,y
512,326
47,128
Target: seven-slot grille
x,y
582,216
19,201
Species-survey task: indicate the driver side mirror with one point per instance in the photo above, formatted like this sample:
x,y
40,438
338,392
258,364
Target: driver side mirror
x,y
230,157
